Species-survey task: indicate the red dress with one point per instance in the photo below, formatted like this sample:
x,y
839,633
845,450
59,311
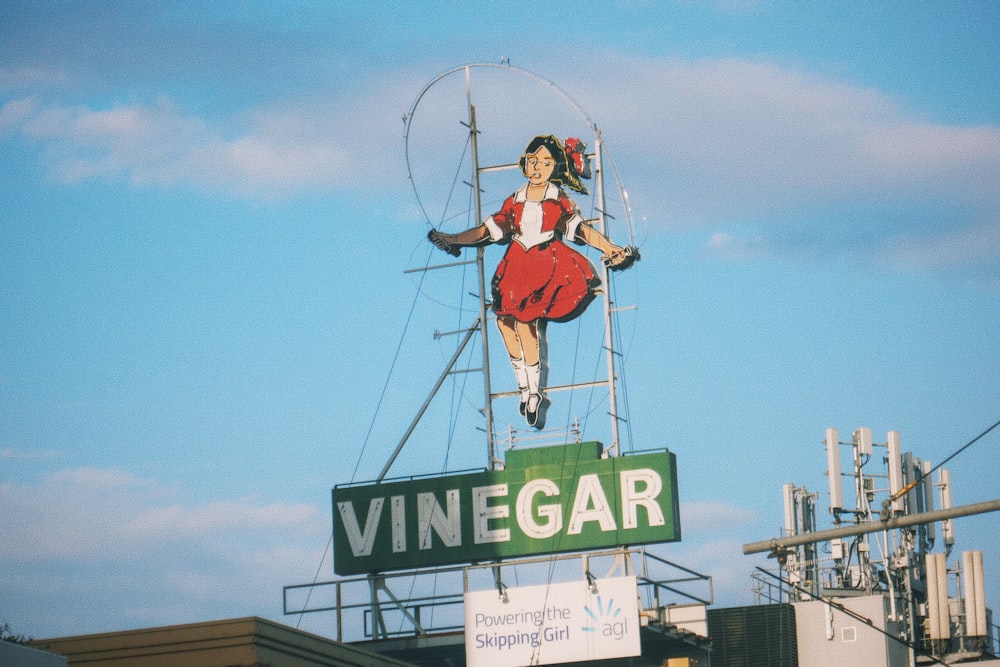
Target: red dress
x,y
540,277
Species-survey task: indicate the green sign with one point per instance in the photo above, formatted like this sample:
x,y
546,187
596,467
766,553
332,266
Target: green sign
x,y
546,500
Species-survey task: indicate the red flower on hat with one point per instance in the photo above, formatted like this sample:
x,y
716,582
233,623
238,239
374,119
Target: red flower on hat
x,y
574,151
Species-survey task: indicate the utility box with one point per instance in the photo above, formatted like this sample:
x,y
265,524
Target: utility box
x,y
829,637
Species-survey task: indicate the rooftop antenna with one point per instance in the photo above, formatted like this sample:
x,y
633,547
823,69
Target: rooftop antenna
x,y
789,494
947,526
863,440
833,471
895,471
929,502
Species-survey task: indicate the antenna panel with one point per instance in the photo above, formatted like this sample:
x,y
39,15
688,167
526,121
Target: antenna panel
x,y
789,492
975,604
911,470
895,470
925,482
947,526
863,441
833,470
937,596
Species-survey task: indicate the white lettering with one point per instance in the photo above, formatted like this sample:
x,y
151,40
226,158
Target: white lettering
x,y
448,525
398,513
484,513
551,512
589,493
361,540
633,498
543,509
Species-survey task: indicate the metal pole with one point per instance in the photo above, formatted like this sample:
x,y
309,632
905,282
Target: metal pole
x,y
340,614
481,266
423,408
780,543
378,627
608,304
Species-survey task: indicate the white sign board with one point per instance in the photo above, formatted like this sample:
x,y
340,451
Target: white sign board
x,y
544,625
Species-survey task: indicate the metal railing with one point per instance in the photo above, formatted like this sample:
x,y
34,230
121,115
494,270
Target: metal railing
x,y
411,602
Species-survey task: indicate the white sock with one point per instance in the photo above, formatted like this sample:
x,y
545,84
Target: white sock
x,y
521,375
534,377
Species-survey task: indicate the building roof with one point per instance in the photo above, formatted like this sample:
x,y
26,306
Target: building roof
x,y
239,642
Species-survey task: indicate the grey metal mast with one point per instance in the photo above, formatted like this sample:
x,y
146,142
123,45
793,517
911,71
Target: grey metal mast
x,y
481,268
609,341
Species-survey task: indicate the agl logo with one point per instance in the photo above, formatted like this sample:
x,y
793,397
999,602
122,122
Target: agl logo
x,y
605,621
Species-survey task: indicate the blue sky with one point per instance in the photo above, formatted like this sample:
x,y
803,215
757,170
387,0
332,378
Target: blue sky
x,y
205,219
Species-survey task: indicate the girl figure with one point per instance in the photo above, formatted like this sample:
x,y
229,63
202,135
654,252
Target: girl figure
x,y
540,278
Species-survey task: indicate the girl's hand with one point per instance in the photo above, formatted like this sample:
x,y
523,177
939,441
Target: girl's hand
x,y
441,242
619,258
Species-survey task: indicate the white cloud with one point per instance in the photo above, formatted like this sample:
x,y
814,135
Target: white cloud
x,y
95,479
713,517
21,77
89,512
175,521
723,137
971,250
724,244
161,145
20,455
711,145
771,160
15,112
88,538
742,138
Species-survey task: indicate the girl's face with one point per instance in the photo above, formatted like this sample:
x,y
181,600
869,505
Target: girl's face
x,y
538,166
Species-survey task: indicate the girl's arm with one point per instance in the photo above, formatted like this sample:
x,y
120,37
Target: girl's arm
x,y
451,243
597,240
470,236
615,257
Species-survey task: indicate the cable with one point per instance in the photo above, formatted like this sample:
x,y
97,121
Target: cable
x,y
965,446
364,444
385,386
319,568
